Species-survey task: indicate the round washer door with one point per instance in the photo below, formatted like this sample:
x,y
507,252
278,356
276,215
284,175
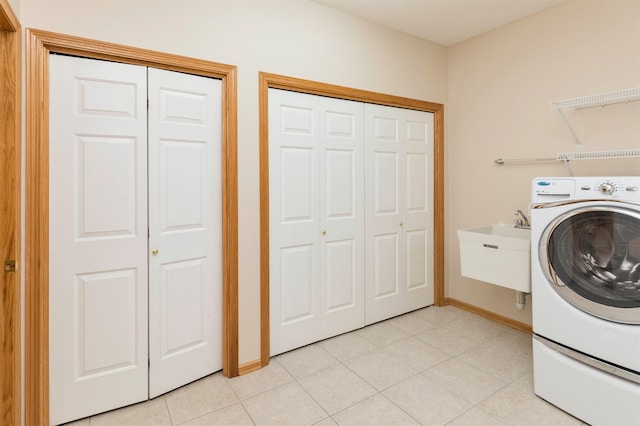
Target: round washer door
x,y
591,257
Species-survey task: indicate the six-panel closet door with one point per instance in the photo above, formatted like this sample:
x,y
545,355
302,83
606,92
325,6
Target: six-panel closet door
x,y
135,234
316,249
185,229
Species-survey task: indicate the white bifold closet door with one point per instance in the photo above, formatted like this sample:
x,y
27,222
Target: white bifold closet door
x,y
399,211
316,218
350,215
135,234
185,229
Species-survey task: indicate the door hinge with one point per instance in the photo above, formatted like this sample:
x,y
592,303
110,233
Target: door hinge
x,y
11,266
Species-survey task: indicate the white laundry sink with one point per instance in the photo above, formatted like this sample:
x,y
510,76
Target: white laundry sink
x,y
498,254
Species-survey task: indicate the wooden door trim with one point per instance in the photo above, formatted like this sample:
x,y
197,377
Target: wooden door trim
x,y
10,238
38,46
274,81
8,20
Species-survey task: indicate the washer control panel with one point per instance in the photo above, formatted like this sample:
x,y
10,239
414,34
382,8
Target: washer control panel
x,y
622,188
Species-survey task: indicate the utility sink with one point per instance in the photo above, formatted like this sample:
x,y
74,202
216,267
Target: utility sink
x,y
498,254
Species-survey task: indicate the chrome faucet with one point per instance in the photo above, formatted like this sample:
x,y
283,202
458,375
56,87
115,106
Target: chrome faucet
x,y
523,221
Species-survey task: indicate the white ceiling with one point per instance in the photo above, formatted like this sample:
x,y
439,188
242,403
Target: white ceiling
x,y
445,22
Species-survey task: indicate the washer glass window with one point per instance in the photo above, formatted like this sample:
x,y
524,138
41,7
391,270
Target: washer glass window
x,y
596,254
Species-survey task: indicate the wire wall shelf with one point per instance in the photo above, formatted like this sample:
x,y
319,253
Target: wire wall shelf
x,y
598,155
602,99
599,100
570,156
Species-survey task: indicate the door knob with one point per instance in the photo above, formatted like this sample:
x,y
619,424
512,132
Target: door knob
x,y
324,232
401,223
155,252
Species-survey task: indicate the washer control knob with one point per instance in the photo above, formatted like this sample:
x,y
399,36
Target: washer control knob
x,y
607,188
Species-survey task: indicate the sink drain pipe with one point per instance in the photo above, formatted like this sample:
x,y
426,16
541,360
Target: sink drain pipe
x,y
521,298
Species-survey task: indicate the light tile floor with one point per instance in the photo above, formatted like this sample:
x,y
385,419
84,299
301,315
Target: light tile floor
x,y
434,366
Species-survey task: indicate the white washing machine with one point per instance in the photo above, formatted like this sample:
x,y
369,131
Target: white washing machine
x,y
585,287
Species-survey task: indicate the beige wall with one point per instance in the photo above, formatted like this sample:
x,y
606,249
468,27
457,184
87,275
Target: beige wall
x,y
296,38
501,85
15,6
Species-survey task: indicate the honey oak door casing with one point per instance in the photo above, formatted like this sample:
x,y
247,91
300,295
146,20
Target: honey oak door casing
x,y
10,215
